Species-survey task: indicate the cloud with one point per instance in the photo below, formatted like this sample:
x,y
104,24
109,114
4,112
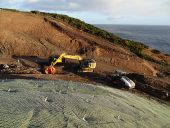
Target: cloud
x,y
51,5
113,9
118,8
33,1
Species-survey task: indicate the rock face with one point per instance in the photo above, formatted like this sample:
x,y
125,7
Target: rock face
x,y
26,34
68,104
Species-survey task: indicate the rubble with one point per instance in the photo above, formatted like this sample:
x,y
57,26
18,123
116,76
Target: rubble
x,y
17,69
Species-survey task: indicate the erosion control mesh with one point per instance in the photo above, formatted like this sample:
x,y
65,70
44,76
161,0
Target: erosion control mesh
x,y
58,104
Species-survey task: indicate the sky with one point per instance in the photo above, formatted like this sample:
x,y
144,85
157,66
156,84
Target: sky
x,y
134,12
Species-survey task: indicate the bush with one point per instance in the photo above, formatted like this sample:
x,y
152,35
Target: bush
x,y
155,51
166,54
12,10
35,12
135,47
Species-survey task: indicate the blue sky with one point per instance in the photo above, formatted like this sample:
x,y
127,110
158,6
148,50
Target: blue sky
x,y
142,12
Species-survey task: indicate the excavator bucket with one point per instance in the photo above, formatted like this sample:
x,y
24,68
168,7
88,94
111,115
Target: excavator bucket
x,y
49,70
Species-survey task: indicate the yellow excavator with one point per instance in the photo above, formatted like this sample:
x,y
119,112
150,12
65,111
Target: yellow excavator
x,y
85,65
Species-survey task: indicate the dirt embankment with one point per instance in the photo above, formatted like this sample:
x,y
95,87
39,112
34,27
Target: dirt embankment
x,y
24,34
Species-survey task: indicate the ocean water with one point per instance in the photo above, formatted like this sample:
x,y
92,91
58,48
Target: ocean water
x,y
157,37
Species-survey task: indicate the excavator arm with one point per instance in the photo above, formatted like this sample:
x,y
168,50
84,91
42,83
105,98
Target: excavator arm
x,y
74,57
65,56
59,60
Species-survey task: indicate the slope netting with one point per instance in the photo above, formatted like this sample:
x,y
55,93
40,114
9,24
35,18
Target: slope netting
x,y
59,104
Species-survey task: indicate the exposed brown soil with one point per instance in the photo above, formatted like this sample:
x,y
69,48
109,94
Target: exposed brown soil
x,y
31,39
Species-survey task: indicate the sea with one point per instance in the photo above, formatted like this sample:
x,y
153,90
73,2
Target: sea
x,y
157,37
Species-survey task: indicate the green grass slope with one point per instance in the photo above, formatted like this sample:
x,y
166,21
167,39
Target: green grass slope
x,y
76,105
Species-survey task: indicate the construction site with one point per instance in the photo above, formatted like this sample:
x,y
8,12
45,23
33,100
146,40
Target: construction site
x,y
47,65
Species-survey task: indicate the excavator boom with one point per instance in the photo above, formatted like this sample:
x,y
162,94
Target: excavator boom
x,y
59,60
74,57
65,56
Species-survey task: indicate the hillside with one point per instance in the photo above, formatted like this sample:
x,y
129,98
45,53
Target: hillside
x,y
29,98
24,34
140,49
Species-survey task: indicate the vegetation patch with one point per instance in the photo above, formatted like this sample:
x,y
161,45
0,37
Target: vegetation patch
x,y
166,54
151,59
155,51
7,9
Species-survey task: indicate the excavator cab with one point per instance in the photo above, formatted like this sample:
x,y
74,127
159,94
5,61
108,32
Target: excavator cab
x,y
85,65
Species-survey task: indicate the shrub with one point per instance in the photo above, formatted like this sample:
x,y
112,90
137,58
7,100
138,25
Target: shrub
x,y
12,10
35,12
166,54
155,51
